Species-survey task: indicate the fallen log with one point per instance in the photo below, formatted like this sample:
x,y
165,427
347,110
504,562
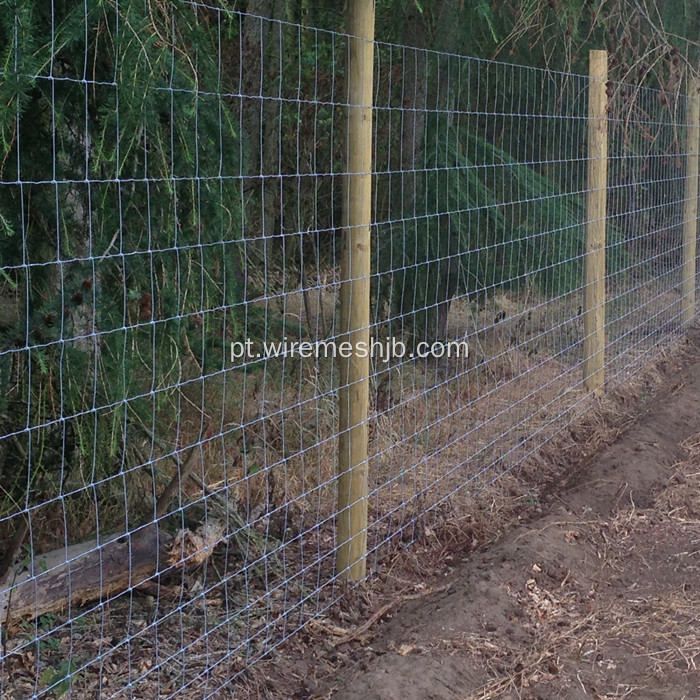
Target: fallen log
x,y
100,569
82,573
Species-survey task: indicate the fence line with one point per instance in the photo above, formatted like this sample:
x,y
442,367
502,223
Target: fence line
x,y
183,190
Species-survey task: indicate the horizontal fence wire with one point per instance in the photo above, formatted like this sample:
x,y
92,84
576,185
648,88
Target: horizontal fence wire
x,y
171,223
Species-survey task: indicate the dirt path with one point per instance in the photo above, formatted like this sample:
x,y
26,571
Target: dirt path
x,y
597,598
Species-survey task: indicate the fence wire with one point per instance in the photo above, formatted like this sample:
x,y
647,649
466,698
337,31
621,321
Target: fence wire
x,y
171,195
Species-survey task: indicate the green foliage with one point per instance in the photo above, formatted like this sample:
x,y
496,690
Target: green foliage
x,y
486,221
120,284
57,678
123,267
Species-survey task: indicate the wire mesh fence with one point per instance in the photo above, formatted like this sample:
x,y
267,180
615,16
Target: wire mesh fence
x,y
171,221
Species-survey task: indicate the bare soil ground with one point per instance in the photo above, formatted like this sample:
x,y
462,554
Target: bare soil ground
x,y
595,594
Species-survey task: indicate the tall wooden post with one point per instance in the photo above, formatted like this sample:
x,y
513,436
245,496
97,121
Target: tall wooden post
x,y
354,297
690,214
594,266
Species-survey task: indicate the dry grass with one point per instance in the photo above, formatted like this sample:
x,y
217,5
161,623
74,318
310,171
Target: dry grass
x,y
516,412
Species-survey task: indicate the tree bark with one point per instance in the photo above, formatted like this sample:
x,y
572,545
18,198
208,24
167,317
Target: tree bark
x,y
261,48
414,105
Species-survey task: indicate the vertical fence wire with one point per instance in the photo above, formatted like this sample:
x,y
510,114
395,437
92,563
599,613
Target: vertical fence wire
x,y
170,225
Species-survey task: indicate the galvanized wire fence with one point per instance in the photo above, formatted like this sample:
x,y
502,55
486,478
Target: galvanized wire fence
x,y
171,226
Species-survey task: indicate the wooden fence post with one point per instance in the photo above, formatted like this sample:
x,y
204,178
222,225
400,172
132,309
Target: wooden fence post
x,y
354,297
594,265
690,214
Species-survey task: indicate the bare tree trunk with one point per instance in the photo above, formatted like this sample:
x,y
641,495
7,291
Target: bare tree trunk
x,y
261,49
255,34
448,280
414,104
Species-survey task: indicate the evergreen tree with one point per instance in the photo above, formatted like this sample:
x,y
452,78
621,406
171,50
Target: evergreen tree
x,y
120,229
